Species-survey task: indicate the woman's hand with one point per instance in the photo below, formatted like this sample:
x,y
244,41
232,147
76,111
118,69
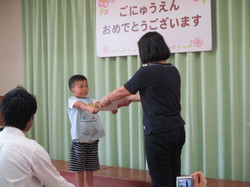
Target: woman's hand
x,y
125,102
114,111
105,101
130,99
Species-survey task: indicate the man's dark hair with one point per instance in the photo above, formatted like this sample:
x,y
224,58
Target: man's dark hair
x,y
17,107
153,48
75,78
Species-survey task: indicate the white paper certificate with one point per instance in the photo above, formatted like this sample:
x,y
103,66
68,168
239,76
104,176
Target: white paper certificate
x,y
113,105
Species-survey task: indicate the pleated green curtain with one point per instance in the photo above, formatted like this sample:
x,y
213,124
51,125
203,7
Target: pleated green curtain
x,y
59,41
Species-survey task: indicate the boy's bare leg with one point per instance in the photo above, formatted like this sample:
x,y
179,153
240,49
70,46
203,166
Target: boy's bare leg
x,y
79,179
89,178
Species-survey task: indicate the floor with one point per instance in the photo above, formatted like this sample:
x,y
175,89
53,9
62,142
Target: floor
x,y
126,177
109,176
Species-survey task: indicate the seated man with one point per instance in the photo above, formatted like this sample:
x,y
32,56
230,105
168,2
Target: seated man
x,y
23,162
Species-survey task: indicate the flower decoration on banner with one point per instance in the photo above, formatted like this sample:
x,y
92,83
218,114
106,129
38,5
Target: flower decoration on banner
x,y
197,42
106,49
103,4
200,0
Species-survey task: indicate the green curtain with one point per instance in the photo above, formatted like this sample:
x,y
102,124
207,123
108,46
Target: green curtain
x,y
59,41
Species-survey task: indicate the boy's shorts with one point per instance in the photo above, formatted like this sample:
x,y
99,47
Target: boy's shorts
x,y
84,156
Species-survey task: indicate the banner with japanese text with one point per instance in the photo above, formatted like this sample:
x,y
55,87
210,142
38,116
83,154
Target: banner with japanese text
x,y
184,24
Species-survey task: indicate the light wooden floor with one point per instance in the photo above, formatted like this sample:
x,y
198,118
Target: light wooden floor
x,y
61,165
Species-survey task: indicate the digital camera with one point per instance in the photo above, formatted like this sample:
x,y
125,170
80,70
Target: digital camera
x,y
184,181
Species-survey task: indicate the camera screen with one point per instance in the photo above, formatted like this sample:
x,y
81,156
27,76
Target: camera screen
x,y
185,182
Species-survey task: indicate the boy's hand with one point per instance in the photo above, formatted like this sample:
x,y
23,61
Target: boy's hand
x,y
93,110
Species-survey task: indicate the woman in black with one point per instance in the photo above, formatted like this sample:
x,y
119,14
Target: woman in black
x,y
158,84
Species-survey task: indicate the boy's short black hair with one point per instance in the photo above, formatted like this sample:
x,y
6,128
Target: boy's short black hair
x,y
17,107
153,48
75,78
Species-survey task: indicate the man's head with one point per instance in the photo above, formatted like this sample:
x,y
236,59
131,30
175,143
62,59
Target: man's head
x,y
18,108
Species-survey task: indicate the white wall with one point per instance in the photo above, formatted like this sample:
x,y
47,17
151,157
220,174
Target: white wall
x,y
11,57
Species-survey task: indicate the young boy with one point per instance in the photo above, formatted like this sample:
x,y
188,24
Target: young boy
x,y
86,130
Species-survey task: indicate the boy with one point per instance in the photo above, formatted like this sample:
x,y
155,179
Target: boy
x,y
23,162
86,130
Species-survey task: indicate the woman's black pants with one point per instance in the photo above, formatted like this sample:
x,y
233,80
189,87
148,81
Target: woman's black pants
x,y
163,152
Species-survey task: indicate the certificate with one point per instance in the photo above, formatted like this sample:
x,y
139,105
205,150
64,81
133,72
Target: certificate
x,y
113,105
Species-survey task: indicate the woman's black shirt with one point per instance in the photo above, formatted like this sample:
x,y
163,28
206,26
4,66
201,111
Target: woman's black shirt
x,y
159,88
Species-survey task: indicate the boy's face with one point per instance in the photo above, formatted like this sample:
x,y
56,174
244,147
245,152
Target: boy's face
x,y
80,89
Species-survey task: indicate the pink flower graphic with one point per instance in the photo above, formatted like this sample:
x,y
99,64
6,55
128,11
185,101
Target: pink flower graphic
x,y
197,42
106,11
199,1
106,49
103,3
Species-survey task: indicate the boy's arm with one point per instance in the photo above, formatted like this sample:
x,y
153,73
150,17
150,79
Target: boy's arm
x,y
83,106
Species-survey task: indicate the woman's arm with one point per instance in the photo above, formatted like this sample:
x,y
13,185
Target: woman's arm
x,y
117,94
130,99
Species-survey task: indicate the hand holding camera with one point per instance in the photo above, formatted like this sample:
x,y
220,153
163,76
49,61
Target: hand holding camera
x,y
185,181
197,179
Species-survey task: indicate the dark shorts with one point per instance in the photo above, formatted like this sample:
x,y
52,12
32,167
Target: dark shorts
x,y
84,157
164,156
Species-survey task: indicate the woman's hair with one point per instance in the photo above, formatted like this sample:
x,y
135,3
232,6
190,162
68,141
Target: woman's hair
x,y
75,78
17,107
153,48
